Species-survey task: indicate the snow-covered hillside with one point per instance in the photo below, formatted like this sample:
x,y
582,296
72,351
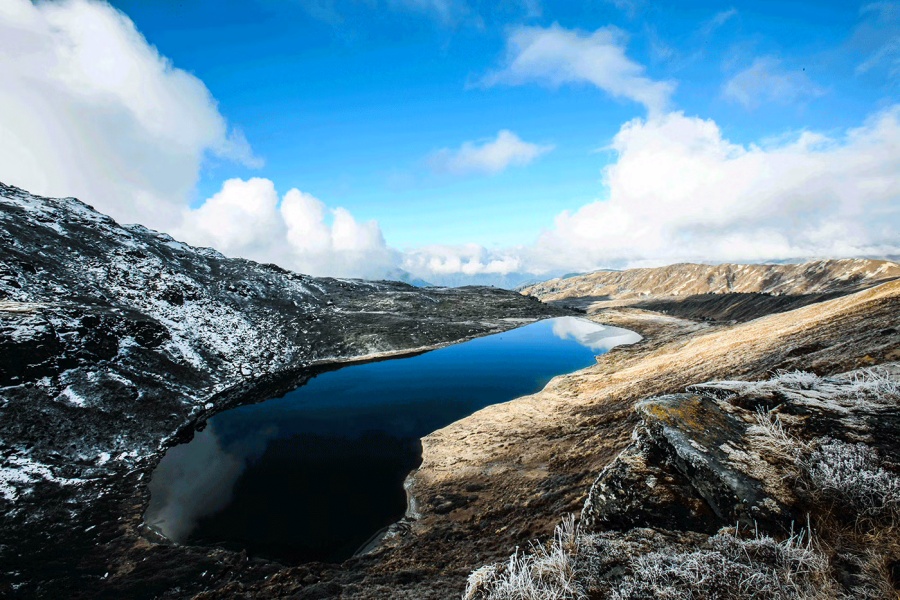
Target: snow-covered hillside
x,y
116,341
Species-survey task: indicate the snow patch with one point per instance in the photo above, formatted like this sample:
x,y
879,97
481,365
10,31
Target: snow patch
x,y
72,397
19,473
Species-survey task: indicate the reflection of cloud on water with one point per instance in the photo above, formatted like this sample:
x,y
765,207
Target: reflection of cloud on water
x,y
195,480
599,338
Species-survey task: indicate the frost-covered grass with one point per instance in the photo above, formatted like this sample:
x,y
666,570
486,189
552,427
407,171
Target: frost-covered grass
x,y
851,476
771,435
549,572
730,567
798,380
837,473
726,567
850,493
875,384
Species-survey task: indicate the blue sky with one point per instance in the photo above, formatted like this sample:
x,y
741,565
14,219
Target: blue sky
x,y
345,100
368,105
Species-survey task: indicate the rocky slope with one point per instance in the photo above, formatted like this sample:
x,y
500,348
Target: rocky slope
x,y
780,489
117,341
718,292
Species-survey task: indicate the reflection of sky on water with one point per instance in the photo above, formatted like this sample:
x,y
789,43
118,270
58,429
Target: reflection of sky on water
x,y
195,480
264,469
600,338
192,481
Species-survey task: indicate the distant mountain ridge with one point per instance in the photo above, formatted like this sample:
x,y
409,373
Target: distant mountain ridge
x,y
687,279
507,281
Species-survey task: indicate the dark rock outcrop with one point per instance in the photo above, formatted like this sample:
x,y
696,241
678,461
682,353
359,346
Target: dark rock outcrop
x,y
699,470
728,452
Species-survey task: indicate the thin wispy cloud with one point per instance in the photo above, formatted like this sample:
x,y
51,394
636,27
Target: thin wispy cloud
x,y
323,10
629,7
555,56
877,39
766,80
660,50
717,20
449,12
487,156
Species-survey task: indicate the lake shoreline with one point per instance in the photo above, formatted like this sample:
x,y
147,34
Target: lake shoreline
x,y
364,421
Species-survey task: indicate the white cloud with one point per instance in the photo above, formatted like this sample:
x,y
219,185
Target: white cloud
x,y
192,481
556,56
298,232
242,219
679,191
766,81
601,338
488,156
89,108
468,259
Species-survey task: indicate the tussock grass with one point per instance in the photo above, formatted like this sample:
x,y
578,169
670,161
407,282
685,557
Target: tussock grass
x,y
797,380
772,436
548,572
572,566
875,384
851,476
731,567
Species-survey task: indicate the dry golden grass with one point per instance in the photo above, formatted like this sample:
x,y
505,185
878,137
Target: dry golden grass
x,y
521,464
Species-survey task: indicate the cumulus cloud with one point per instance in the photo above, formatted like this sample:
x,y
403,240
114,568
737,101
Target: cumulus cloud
x,y
89,108
487,156
680,191
767,81
468,259
297,231
556,56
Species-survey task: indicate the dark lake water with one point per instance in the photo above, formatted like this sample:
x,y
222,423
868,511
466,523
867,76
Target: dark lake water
x,y
314,474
